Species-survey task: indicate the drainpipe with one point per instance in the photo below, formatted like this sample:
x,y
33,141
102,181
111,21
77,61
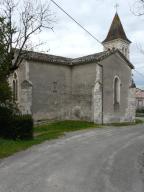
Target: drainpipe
x,y
102,117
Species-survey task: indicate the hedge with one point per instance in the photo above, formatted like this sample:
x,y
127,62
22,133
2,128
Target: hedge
x,y
141,110
5,122
23,127
15,126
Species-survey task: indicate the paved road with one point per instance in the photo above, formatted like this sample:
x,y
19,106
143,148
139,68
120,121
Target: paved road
x,y
101,160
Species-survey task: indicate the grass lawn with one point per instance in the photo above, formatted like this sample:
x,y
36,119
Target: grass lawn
x,y
139,114
138,121
48,132
43,133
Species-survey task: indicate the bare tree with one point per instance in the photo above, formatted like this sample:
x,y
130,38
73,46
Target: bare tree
x,y
138,10
138,7
22,20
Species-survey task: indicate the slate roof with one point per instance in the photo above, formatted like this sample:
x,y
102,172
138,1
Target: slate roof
x,y
36,56
43,57
90,58
116,31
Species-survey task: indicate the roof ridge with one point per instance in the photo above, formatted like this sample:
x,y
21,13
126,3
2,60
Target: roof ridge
x,y
97,57
93,57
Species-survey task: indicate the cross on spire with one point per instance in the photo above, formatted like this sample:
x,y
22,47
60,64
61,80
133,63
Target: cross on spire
x,y
116,6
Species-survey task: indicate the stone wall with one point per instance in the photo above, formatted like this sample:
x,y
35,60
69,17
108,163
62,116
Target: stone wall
x,y
120,44
62,92
97,96
83,80
24,88
26,97
114,66
51,90
82,91
130,113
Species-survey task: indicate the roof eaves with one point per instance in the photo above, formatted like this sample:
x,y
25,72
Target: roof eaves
x,y
35,56
128,62
90,58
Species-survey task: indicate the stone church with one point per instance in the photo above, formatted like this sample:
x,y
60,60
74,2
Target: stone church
x,y
97,87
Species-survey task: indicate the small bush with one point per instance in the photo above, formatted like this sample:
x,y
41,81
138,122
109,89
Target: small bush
x,y
5,121
15,126
141,110
22,127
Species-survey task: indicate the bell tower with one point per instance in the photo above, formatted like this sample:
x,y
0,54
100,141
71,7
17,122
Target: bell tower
x,y
116,38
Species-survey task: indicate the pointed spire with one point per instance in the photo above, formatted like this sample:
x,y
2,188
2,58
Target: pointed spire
x,y
116,30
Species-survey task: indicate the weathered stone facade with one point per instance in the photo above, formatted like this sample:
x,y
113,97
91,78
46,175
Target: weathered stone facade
x,y
131,109
81,89
120,44
97,96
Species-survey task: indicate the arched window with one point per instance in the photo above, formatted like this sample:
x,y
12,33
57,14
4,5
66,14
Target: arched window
x,y
116,92
15,87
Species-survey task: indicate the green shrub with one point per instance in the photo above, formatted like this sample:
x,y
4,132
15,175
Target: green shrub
x,y
141,110
22,127
139,114
5,91
5,122
15,126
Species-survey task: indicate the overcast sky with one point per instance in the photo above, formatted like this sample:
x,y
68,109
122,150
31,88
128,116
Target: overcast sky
x,y
69,40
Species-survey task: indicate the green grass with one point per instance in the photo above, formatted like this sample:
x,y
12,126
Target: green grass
x,y
43,133
139,114
8,147
138,121
48,132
